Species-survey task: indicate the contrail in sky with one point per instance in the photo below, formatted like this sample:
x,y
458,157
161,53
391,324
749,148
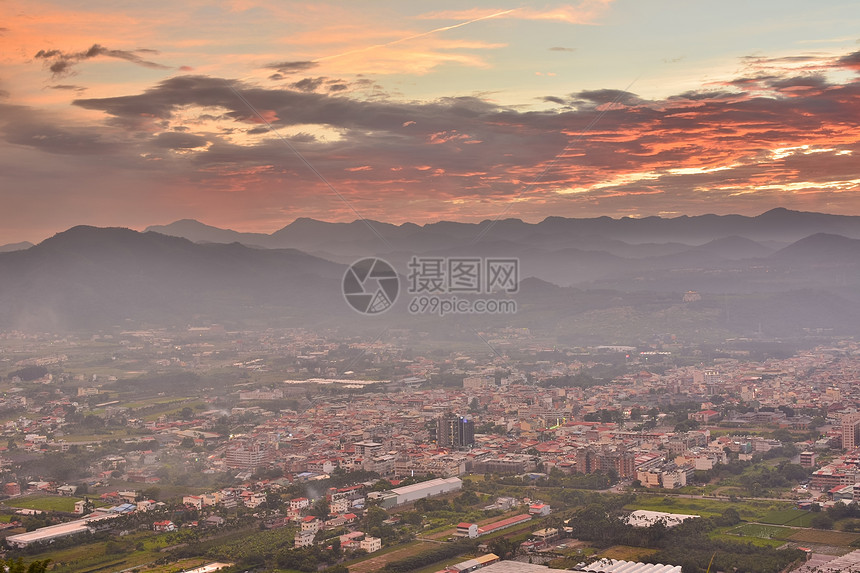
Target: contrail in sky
x,y
421,35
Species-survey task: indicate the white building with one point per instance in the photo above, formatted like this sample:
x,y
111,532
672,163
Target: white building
x,y
645,518
414,492
304,538
371,544
312,524
56,531
194,501
469,530
299,503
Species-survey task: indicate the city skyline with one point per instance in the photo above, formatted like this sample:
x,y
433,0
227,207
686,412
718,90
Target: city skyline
x,y
143,115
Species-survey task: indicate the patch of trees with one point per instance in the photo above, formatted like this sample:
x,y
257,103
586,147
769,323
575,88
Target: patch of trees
x,y
248,549
491,428
687,544
759,481
686,425
821,521
17,566
372,523
503,547
465,500
694,553
605,416
63,467
170,382
841,510
428,505
558,478
29,373
341,478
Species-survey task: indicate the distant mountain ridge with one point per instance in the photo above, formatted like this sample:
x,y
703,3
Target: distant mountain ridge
x,y
338,239
822,247
596,251
11,247
88,277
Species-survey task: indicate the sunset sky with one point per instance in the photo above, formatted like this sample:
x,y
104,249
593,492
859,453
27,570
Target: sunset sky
x,y
248,115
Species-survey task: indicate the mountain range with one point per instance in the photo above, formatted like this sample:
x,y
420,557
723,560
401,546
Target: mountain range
x,y
628,254
781,274
623,237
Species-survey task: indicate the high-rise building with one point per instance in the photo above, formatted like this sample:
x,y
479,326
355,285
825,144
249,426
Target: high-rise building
x,y
248,456
851,430
455,431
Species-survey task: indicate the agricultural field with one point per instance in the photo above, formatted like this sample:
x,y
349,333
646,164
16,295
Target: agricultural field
x,y
376,561
824,537
762,531
627,553
748,510
792,517
95,556
136,550
756,541
44,503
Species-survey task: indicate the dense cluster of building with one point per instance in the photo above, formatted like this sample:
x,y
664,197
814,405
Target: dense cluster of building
x,y
493,418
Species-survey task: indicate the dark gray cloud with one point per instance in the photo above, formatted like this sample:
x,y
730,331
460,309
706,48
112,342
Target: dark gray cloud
x,y
606,96
752,80
781,60
852,61
331,84
308,84
466,146
817,81
555,99
286,68
68,87
561,49
176,140
30,132
60,63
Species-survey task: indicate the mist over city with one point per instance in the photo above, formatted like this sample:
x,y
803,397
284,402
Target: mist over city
x,y
429,287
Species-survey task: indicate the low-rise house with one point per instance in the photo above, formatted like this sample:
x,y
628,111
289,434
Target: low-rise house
x,y
469,530
311,523
304,538
214,521
254,499
371,544
540,509
194,501
299,503
163,526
